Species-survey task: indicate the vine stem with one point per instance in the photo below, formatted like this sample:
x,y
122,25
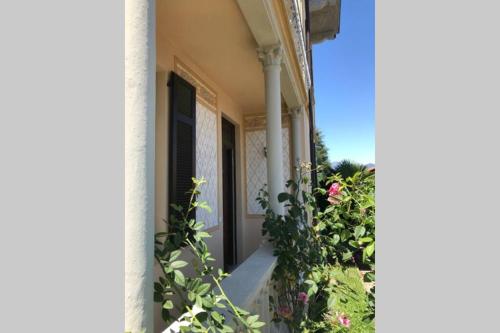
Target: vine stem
x,y
236,312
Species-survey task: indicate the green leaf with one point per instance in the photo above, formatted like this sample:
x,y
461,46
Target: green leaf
x,y
282,197
203,234
203,289
241,311
198,226
347,255
204,205
175,254
217,317
168,305
335,239
252,319
178,264
220,305
366,239
359,231
344,235
257,324
199,301
179,278
207,302
370,249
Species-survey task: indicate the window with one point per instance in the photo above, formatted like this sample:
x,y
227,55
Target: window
x,y
182,146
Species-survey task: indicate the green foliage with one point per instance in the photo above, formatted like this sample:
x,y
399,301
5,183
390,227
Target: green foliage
x,y
297,248
347,228
341,292
193,296
310,256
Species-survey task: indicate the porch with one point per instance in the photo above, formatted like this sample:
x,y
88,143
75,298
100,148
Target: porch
x,y
247,65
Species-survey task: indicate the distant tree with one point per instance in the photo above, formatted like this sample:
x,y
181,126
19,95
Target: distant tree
x,y
347,168
322,160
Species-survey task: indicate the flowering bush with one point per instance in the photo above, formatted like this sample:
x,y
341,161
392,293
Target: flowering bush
x,y
347,226
310,297
298,250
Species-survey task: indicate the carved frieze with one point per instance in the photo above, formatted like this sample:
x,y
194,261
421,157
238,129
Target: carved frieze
x,y
204,94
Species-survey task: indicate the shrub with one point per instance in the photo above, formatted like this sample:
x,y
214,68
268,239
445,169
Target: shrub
x,y
201,306
314,294
347,226
341,303
298,250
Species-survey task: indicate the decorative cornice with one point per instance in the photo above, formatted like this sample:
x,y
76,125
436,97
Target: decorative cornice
x,y
270,55
295,21
204,94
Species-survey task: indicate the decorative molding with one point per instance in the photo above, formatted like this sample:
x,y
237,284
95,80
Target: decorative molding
x,y
294,18
270,55
257,122
204,93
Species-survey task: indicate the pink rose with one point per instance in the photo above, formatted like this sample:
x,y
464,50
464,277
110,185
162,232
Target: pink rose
x,y
334,189
285,312
303,297
344,321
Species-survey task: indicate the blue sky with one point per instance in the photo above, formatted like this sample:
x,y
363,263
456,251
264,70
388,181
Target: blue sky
x,y
344,80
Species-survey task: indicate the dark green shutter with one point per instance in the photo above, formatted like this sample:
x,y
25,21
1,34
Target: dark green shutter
x,y
182,150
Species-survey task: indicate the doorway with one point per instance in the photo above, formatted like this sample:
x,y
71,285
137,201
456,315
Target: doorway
x,y
229,194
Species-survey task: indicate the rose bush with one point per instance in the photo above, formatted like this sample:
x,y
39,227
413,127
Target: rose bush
x,y
311,243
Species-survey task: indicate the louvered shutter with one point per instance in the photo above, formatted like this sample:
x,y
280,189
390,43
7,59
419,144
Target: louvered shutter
x,y
182,140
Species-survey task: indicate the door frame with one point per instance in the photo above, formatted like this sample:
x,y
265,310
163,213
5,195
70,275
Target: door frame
x,y
233,144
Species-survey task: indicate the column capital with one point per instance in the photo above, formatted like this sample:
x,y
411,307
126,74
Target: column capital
x,y
270,55
295,112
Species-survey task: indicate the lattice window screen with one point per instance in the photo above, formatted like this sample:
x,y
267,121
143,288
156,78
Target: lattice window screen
x,y
206,163
256,167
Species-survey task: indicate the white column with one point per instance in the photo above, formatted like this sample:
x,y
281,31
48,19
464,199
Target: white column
x,y
271,60
297,138
140,72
